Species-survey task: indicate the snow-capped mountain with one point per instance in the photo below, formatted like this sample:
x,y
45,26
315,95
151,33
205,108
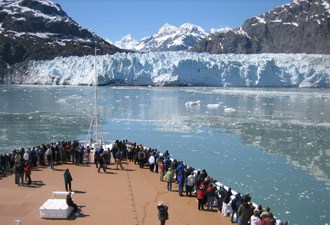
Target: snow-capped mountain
x,y
168,38
40,29
184,68
127,42
302,26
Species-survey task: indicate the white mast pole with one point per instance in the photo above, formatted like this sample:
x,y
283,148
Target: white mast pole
x,y
96,114
96,111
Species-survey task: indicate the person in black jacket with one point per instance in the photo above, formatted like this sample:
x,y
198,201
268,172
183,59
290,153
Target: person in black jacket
x,y
70,203
19,170
235,203
162,212
102,164
226,200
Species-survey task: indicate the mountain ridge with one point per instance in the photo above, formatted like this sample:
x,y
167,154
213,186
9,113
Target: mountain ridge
x,y
302,26
168,38
41,30
299,27
34,30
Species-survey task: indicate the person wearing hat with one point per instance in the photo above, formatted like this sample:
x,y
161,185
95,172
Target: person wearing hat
x,y
255,220
162,212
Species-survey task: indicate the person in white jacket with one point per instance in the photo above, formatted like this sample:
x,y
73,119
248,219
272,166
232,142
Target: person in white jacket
x,y
255,220
151,162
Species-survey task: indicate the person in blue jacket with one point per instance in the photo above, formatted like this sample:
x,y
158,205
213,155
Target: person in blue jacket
x,y
67,180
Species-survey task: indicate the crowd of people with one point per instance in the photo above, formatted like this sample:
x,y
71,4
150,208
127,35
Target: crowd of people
x,y
21,161
198,184
209,195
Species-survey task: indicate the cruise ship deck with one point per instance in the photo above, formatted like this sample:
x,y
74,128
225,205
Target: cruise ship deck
x,y
119,197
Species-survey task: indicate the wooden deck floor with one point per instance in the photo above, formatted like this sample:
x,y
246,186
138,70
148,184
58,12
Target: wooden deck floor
x,y
118,197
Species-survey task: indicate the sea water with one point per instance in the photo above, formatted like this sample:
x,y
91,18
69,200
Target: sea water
x,y
272,143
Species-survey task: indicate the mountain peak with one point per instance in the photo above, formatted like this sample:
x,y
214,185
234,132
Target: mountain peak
x,y
168,38
167,28
41,8
127,42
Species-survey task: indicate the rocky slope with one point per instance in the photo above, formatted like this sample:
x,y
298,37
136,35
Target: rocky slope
x,y
300,27
40,29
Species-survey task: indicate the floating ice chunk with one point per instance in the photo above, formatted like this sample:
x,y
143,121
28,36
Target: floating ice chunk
x,y
61,101
213,106
191,104
229,110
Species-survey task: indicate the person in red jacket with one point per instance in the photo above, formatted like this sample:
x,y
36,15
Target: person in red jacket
x,y
269,220
27,171
161,168
201,198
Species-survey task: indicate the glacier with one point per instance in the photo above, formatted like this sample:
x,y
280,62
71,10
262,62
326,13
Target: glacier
x,y
183,69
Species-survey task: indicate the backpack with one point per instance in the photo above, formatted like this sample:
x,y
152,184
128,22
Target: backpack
x,y
97,155
118,155
233,204
48,152
270,222
141,155
160,166
162,213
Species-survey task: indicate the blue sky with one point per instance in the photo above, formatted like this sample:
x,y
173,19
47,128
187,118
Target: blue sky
x,y
113,19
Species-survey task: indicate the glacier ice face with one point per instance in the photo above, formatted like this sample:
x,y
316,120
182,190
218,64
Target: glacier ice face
x,y
185,68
